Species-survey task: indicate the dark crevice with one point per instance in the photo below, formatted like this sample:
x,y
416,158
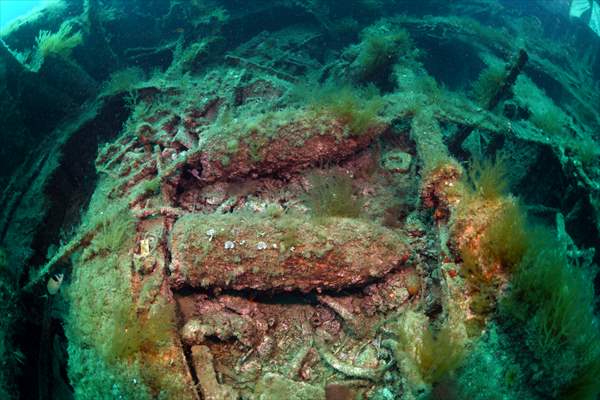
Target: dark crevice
x,y
453,63
67,191
279,297
187,353
20,193
165,244
70,188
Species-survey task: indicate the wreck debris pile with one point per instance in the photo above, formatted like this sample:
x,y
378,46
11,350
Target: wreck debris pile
x,y
316,210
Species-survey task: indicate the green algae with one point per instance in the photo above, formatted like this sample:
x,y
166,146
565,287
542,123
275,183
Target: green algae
x,y
332,196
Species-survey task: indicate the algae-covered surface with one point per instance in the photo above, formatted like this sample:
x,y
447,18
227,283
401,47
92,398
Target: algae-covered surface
x,y
221,200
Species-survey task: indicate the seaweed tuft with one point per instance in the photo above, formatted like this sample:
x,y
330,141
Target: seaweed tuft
x,y
550,306
133,333
332,196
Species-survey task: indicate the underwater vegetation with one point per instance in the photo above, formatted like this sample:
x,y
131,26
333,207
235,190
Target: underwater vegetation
x,y
508,238
61,42
429,353
133,333
123,80
550,303
548,307
112,231
544,113
487,83
358,108
486,178
304,200
379,49
586,150
502,245
502,240
333,196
